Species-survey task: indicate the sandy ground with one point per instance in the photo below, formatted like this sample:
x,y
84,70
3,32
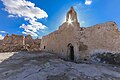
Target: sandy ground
x,y
46,66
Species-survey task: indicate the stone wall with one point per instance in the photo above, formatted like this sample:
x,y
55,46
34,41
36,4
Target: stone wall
x,y
18,43
101,37
28,39
58,41
0,42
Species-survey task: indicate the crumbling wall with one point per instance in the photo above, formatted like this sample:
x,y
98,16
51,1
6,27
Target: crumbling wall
x,y
105,36
18,43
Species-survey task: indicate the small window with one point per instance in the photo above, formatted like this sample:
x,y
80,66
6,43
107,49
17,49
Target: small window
x,y
82,29
85,59
113,25
98,27
44,47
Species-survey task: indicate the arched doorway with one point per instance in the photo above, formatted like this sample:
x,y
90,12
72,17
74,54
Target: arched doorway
x,y
71,51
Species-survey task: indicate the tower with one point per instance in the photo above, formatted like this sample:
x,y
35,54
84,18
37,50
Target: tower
x,y
71,20
71,15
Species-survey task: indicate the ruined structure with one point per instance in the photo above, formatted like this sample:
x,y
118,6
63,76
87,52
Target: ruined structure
x,y
70,41
73,42
12,42
18,43
32,44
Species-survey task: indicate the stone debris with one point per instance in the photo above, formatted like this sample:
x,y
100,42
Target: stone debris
x,y
106,57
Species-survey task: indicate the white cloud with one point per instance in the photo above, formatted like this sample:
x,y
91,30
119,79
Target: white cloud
x,y
28,32
26,9
1,37
11,16
33,28
88,2
3,32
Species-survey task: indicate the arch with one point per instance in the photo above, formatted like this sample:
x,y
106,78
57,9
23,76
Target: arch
x,y
70,48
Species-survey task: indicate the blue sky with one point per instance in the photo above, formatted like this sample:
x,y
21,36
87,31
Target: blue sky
x,y
40,17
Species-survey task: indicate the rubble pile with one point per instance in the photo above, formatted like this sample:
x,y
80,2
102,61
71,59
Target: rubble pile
x,y
107,57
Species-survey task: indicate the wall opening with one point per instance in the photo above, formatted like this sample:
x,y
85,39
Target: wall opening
x,y
44,47
71,51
